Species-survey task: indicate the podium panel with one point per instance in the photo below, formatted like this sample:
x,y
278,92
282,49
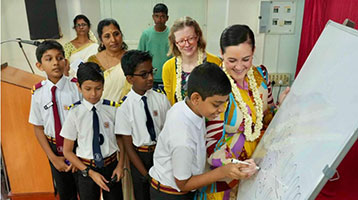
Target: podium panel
x,y
27,165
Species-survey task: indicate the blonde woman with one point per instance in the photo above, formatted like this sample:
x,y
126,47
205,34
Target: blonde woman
x,y
187,46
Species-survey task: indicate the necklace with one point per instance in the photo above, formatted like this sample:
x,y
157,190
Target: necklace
x,y
179,71
250,136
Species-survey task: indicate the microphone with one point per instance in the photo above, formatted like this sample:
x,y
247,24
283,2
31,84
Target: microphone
x,y
20,41
32,42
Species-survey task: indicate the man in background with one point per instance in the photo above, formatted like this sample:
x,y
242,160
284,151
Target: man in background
x,y
155,41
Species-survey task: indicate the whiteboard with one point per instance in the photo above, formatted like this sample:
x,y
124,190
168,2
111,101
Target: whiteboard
x,y
316,125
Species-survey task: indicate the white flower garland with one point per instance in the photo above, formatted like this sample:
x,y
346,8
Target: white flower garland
x,y
250,136
179,71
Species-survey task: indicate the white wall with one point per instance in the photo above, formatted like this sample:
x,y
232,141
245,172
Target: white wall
x,y
133,25
247,12
281,51
277,52
217,22
14,25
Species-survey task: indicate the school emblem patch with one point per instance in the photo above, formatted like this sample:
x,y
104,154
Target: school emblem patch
x,y
155,113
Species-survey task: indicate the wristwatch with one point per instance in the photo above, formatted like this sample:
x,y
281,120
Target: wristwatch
x,y
85,171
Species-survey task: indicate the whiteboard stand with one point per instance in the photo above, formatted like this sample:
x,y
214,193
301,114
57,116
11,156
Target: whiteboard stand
x,y
349,23
334,166
330,171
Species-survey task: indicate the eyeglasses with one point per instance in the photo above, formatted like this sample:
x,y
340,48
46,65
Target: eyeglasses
x,y
79,25
190,40
146,74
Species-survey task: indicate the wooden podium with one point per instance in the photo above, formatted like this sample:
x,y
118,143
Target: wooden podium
x,y
26,164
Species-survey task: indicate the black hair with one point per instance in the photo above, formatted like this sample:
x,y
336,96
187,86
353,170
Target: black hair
x,y
235,35
78,17
89,71
107,22
132,58
208,80
47,45
160,8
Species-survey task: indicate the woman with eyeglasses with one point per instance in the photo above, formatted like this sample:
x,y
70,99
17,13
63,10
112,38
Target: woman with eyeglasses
x,y
111,49
85,43
187,45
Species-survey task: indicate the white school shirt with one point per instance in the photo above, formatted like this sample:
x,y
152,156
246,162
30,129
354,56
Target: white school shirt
x,y
180,151
41,111
131,118
79,125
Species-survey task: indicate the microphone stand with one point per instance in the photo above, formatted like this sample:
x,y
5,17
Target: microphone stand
x,y
28,62
22,49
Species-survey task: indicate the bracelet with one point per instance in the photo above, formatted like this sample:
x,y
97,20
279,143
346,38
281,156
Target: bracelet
x,y
273,109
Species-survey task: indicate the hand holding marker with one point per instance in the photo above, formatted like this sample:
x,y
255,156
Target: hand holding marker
x,y
243,162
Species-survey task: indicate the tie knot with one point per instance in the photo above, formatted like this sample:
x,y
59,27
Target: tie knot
x,y
53,89
94,108
144,98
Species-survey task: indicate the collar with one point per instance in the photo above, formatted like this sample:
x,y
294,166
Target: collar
x,y
89,106
194,118
164,31
60,84
138,97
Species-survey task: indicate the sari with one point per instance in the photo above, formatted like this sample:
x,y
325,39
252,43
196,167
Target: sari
x,y
225,135
115,83
83,53
77,55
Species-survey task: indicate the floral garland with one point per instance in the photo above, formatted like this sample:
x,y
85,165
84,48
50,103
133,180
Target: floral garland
x,y
250,136
179,71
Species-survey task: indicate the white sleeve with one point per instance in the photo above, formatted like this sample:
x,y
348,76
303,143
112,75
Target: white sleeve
x,y
166,103
165,106
35,117
122,122
69,130
182,159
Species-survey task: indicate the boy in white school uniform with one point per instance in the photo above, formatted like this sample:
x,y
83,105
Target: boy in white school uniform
x,y
140,118
48,112
91,123
180,156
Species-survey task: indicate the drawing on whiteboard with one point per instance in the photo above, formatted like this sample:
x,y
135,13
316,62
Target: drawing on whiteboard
x,y
270,186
